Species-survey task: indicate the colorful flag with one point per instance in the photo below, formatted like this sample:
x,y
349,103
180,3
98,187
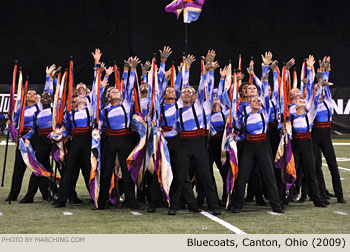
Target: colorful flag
x,y
191,9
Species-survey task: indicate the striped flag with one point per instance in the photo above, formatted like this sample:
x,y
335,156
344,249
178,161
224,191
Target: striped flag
x,y
191,9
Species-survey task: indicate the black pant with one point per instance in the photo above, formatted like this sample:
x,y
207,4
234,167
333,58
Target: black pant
x,y
303,155
43,150
193,150
114,145
256,152
19,169
321,140
79,154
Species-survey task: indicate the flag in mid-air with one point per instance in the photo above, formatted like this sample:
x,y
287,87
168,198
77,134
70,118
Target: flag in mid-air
x,y
191,9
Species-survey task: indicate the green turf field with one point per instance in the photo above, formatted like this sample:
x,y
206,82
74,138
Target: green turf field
x,y
40,217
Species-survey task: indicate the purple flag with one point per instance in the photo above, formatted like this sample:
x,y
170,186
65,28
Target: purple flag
x,y
192,9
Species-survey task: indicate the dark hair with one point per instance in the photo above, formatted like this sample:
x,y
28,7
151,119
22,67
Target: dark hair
x,y
242,85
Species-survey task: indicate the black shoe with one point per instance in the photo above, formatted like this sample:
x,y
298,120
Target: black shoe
x,y
341,200
216,211
9,198
278,210
200,201
98,208
194,208
249,199
59,205
25,201
261,203
326,201
137,206
329,194
151,209
301,200
236,210
76,201
320,204
172,212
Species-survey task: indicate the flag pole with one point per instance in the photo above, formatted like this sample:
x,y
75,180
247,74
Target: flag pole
x,y
10,118
186,38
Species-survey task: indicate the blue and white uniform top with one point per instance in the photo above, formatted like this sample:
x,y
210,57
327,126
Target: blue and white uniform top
x,y
218,119
303,123
274,108
324,107
42,122
257,123
118,117
190,118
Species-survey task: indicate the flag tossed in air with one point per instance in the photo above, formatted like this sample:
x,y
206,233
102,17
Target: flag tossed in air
x,y
191,9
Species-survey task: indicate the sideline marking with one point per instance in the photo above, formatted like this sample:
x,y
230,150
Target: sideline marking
x,y
340,213
340,159
4,142
273,213
135,213
340,168
223,223
67,213
341,143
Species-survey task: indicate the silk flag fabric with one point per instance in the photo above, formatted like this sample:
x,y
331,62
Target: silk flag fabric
x,y
191,9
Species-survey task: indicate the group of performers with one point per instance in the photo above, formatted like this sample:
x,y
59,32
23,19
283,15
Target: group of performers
x,y
156,141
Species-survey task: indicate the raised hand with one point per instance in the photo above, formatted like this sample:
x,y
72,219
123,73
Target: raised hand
x,y
240,76
290,64
134,62
274,65
310,62
54,72
109,70
167,74
179,68
126,65
210,56
104,83
145,67
319,75
223,72
267,59
214,66
97,55
164,55
250,69
50,69
189,60
103,67
327,63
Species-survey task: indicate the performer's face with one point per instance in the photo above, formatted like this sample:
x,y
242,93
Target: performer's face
x,y
187,94
46,98
216,105
31,96
81,89
301,107
74,103
295,95
252,91
255,103
244,90
170,94
81,101
270,92
115,95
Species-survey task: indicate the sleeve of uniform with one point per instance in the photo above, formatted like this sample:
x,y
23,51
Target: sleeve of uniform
x,y
102,119
125,83
130,86
309,88
144,78
275,96
325,76
328,96
201,88
312,112
177,84
186,78
48,85
161,72
266,100
210,86
220,89
67,125
93,94
259,85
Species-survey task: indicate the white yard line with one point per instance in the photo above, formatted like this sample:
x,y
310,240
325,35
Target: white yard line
x,y
341,143
135,213
223,223
340,159
4,143
273,213
67,213
340,168
0,214
340,213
